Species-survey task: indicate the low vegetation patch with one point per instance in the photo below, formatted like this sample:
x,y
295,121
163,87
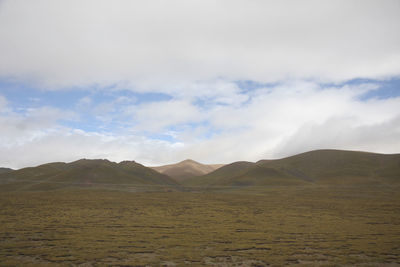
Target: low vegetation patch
x,y
274,226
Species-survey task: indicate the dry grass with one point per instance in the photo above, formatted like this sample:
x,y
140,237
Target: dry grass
x,y
305,226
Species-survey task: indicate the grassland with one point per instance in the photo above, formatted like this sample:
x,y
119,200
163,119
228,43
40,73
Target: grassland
x,y
283,225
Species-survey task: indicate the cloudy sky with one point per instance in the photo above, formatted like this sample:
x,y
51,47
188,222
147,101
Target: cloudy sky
x,y
217,81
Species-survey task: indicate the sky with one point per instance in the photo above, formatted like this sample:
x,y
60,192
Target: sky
x,y
216,81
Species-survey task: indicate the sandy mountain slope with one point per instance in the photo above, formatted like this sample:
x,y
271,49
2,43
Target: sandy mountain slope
x,y
186,169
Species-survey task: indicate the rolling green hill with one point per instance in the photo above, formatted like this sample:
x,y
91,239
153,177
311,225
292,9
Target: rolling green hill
x,y
84,173
314,167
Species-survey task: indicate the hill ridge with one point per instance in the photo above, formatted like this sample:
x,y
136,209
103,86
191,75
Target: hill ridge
x,y
93,172
186,169
324,166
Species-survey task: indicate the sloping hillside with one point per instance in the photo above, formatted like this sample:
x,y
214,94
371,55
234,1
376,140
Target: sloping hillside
x,y
230,170
186,169
84,173
4,170
314,167
338,166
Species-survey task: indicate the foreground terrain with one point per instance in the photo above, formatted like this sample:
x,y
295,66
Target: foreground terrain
x,y
254,226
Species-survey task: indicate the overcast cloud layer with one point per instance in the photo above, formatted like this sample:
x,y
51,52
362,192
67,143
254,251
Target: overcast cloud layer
x,y
216,81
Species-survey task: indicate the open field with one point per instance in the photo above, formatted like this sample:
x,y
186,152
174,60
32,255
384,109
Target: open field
x,y
306,226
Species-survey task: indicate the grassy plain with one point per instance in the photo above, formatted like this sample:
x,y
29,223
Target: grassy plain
x,y
282,225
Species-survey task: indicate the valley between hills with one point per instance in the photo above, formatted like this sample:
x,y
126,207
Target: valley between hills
x,y
319,208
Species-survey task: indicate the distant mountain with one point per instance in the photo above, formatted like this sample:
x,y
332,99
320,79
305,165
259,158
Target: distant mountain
x,y
85,173
186,169
4,170
315,167
321,167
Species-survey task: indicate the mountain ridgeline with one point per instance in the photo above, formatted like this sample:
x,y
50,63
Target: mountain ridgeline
x,y
323,167
320,167
186,169
85,173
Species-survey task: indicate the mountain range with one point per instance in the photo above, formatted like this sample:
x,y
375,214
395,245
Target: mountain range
x,y
329,167
85,173
321,167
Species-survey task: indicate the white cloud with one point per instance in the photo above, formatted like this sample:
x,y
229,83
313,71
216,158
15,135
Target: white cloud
x,y
18,128
194,51
66,145
342,132
157,45
84,102
296,117
3,104
273,122
157,116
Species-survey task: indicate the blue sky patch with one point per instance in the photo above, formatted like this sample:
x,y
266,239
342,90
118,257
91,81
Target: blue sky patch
x,y
387,89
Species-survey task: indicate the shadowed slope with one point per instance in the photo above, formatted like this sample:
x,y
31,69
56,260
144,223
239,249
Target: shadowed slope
x,y
86,173
338,166
318,167
186,169
226,172
4,170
